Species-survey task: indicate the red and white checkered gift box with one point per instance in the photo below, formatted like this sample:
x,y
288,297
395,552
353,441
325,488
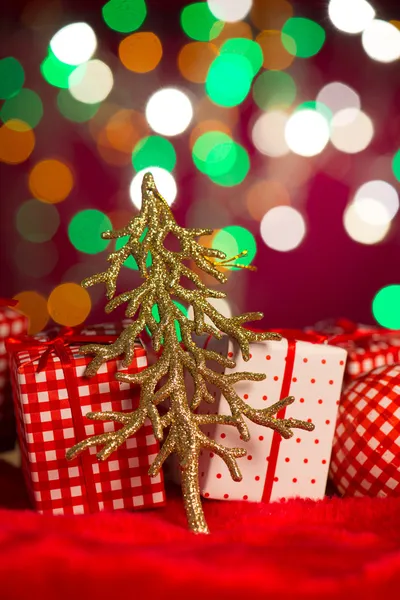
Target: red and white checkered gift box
x,y
11,323
51,406
366,448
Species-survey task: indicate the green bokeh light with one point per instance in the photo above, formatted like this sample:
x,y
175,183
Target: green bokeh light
x,y
56,72
36,221
154,151
273,89
214,153
229,79
386,307
85,231
238,172
234,239
124,16
307,35
25,106
12,77
199,23
73,110
319,107
396,165
130,262
156,315
246,48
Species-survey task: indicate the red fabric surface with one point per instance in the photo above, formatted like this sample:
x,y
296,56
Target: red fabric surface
x,y
298,549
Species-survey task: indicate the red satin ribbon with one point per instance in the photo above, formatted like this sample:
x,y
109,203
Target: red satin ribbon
x,y
352,334
59,344
8,302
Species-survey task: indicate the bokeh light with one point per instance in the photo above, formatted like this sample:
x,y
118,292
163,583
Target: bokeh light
x,y
264,195
274,89
55,71
239,29
35,260
235,239
25,106
140,52
109,153
385,306
130,262
376,202
34,306
229,10
124,16
338,96
350,17
361,231
381,41
210,125
272,15
194,60
319,107
169,111
73,110
283,228
247,48
165,183
154,151
123,130
229,79
351,130
85,229
12,77
276,57
199,23
156,315
239,170
37,222
268,134
69,304
17,142
74,44
307,132
396,165
302,37
51,181
214,153
91,82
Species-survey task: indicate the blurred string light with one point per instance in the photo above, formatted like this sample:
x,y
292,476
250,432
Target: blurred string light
x,y
154,151
376,202
156,315
246,48
73,110
91,82
302,37
34,306
351,130
229,79
124,129
74,44
35,260
199,23
361,231
381,41
274,89
166,185
12,77
124,16
235,239
85,229
140,52
338,96
264,195
224,161
37,222
69,304
51,181
17,142
130,262
385,306
270,16
307,132
238,29
276,56
206,110
194,60
283,228
319,107
230,10
210,125
268,133
25,106
169,111
56,72
396,165
350,17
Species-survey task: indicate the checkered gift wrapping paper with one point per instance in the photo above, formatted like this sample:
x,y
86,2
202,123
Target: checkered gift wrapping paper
x,y
46,431
366,448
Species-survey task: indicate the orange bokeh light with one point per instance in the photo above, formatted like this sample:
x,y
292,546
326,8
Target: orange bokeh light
x,y
51,181
239,29
17,142
205,126
195,59
69,304
140,52
111,155
276,57
272,14
266,194
124,129
34,306
207,110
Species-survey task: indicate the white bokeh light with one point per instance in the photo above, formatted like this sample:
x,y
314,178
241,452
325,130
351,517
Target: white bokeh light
x,y
361,231
268,134
338,96
91,82
230,10
74,44
376,202
282,228
381,41
307,132
351,130
169,111
350,16
165,183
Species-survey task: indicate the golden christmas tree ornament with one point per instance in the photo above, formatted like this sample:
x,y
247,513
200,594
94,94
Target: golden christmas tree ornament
x,y
179,428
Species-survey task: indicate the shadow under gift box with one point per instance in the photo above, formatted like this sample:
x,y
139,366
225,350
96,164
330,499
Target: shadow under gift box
x,y
50,407
277,468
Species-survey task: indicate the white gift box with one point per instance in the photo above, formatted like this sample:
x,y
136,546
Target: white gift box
x,y
277,468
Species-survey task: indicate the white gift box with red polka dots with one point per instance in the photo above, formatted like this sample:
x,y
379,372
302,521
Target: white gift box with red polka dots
x,y
277,468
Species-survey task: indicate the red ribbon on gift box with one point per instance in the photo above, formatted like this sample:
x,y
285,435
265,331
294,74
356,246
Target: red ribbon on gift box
x,y
353,335
8,302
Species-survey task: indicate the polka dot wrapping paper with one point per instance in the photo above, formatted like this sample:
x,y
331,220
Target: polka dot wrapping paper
x,y
50,408
276,468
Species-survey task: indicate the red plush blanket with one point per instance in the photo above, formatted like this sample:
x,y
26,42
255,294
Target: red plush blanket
x,y
298,549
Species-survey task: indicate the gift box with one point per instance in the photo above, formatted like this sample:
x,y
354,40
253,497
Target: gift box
x,y
11,323
52,397
367,347
276,468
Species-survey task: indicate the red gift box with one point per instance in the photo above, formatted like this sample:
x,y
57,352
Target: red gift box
x,y
52,397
